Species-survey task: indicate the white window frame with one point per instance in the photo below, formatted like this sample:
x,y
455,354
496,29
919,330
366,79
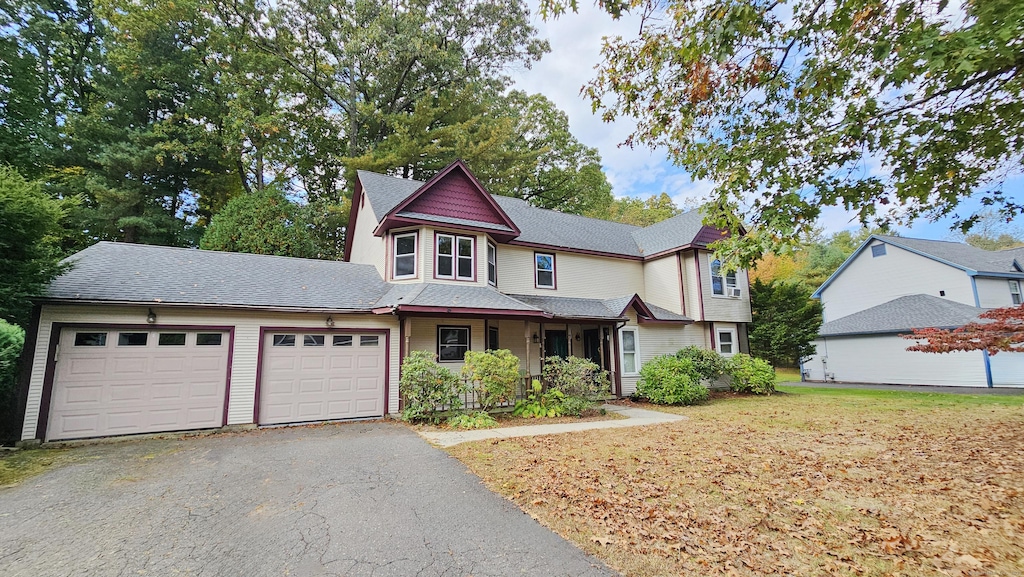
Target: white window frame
x,y
455,256
733,340
635,352
1015,292
492,264
537,270
728,282
414,255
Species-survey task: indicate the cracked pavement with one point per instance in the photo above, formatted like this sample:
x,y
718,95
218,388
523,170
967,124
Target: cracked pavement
x,y
353,499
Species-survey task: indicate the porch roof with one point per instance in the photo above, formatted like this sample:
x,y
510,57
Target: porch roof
x,y
599,309
453,299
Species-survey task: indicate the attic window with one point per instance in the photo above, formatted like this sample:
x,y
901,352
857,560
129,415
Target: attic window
x,y
877,250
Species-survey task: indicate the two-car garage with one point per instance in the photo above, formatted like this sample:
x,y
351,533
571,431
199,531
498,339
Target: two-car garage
x,y
123,380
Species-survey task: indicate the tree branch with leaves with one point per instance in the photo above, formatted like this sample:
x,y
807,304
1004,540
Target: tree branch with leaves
x,y
1000,330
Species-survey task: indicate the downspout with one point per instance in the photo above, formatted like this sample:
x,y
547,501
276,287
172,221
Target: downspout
x,y
984,353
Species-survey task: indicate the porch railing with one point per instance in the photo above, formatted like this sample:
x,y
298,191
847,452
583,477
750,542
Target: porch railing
x,y
524,388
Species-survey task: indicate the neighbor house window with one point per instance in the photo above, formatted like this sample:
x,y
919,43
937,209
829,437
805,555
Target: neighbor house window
x,y
877,250
544,268
630,352
492,264
454,257
722,285
1015,292
452,343
726,341
405,256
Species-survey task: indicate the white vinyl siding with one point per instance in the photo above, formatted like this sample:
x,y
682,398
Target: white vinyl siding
x,y
242,396
997,292
1007,369
366,248
723,308
661,279
423,335
867,282
576,275
885,359
658,340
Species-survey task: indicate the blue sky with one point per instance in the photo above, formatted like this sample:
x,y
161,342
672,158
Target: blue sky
x,y
575,50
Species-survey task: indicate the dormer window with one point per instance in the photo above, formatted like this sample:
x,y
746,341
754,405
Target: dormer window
x,y
722,285
454,257
405,256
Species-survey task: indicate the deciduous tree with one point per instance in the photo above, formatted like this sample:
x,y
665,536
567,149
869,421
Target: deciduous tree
x,y
1000,330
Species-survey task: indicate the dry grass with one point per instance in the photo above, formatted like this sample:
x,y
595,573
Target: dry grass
x,y
16,466
506,419
809,482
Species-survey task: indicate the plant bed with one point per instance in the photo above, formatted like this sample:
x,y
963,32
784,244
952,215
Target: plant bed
x,y
507,419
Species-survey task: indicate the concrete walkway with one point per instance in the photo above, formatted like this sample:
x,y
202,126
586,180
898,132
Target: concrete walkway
x,y
634,418
912,388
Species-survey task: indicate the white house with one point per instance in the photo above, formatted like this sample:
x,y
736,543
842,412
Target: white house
x,y
140,339
891,285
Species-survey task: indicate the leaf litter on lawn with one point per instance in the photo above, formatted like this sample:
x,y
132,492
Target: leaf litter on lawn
x,y
786,485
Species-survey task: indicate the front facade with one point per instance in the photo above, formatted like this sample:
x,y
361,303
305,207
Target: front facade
x,y
141,339
891,285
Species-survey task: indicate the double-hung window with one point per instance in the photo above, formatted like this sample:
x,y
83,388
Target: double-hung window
x,y
405,256
722,285
492,264
544,270
452,343
454,257
726,341
630,351
1015,292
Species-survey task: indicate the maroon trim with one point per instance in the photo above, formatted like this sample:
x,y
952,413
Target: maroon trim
x,y
472,178
404,221
51,361
618,360
354,208
227,383
700,285
547,248
393,247
643,321
554,271
711,326
455,256
28,351
437,340
327,330
682,289
460,312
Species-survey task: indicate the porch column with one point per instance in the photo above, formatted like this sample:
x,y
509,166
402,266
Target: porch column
x,y
407,335
526,329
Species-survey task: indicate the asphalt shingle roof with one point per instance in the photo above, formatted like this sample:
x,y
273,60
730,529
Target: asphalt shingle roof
x,y
549,227
453,296
958,253
902,315
582,308
122,272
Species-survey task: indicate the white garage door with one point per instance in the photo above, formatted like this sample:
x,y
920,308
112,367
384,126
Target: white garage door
x,y
121,382
319,377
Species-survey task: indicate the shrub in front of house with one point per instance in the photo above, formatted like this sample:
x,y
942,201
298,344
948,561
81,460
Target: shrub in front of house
x,y
751,375
670,380
540,403
477,420
581,382
707,364
494,374
427,387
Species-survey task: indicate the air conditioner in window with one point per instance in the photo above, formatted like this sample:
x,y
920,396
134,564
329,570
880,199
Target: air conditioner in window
x,y
735,293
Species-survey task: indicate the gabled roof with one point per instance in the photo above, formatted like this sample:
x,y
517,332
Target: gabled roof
x,y
901,315
453,194
132,273
972,260
396,201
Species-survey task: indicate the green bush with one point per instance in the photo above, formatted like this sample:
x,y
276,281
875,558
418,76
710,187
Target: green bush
x,y
707,364
574,406
495,376
670,380
540,404
575,377
751,375
478,420
11,340
426,386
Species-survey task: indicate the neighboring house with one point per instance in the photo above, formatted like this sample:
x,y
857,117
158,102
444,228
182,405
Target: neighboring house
x,y
891,285
138,339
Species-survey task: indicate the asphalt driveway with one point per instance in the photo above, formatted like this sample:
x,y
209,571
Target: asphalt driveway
x,y
354,499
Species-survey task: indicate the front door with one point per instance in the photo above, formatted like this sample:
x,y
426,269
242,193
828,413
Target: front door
x,y
556,344
592,346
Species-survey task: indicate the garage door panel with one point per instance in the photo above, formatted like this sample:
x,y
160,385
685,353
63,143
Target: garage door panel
x,y
332,381
115,390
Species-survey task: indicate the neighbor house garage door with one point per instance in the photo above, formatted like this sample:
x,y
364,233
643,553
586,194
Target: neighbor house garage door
x,y
319,377
120,382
